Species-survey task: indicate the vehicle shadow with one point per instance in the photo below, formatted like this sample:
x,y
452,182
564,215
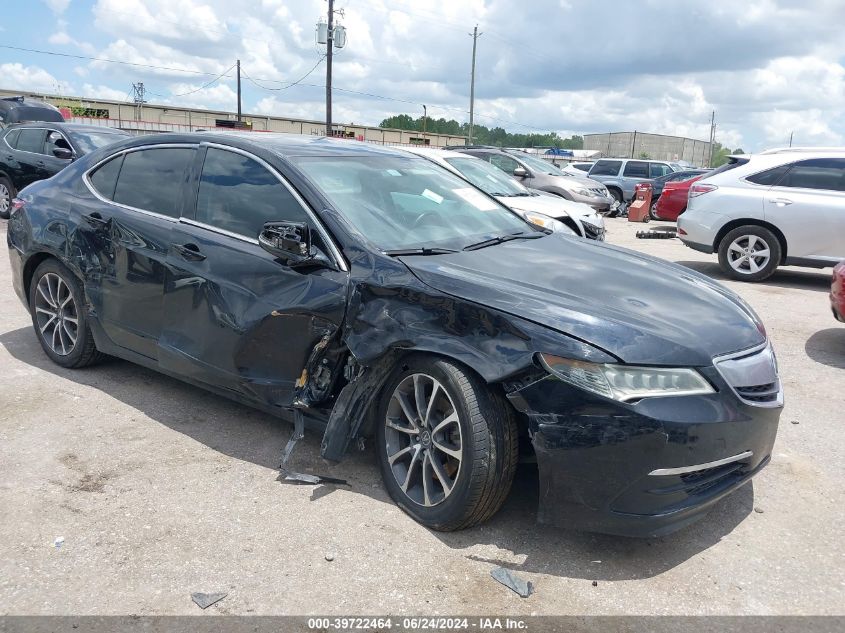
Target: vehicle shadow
x,y
513,534
827,347
783,277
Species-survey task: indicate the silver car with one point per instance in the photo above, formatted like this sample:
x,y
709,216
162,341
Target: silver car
x,y
535,173
781,207
621,175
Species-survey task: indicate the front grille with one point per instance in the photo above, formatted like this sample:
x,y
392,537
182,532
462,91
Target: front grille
x,y
593,232
759,393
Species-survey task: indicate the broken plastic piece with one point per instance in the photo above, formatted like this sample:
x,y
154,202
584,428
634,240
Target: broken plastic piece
x,y
298,434
305,478
523,588
205,600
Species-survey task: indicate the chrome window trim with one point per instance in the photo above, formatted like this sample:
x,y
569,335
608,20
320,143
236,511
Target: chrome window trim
x,y
334,250
86,177
683,470
23,151
215,229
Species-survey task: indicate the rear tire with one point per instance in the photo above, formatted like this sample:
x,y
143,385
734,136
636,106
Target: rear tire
x,y
431,404
7,193
57,305
652,212
750,253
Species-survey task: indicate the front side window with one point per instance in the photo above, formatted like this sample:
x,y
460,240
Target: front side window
x,y
31,140
827,174
404,203
505,163
636,169
606,168
239,195
151,179
55,140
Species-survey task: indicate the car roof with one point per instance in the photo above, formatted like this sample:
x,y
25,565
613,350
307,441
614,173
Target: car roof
x,y
281,144
70,127
435,152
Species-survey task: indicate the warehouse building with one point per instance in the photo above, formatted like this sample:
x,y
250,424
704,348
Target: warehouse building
x,y
654,146
147,118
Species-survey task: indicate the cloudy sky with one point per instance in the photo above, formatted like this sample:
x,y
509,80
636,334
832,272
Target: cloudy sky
x,y
767,67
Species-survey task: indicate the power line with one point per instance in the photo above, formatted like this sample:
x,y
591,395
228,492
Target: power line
x,y
203,87
290,85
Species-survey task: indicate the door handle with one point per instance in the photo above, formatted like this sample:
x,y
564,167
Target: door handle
x,y
781,202
189,251
96,220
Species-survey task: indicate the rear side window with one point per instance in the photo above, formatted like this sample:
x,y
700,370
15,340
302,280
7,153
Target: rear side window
x,y
104,178
151,179
31,141
827,174
239,195
658,169
769,177
582,167
636,169
606,168
12,138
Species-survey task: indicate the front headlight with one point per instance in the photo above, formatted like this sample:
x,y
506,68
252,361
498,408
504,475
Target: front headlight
x,y
595,220
625,382
547,222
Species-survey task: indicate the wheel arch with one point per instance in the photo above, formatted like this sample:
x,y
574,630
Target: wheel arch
x,y
734,224
34,261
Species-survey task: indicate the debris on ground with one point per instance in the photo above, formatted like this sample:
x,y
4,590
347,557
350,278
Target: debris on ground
x,y
658,234
795,422
595,583
523,588
758,510
313,480
205,600
60,540
330,556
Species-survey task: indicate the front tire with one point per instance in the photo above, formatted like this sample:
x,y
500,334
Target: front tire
x,y
447,444
57,302
652,212
749,253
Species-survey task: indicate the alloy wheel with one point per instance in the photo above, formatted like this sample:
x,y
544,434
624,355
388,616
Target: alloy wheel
x,y
748,254
56,314
5,199
423,440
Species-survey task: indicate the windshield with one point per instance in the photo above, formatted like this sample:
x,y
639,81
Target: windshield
x,y
404,203
538,164
87,141
487,177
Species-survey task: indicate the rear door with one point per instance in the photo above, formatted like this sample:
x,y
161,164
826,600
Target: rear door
x,y
235,316
635,171
808,205
125,231
27,157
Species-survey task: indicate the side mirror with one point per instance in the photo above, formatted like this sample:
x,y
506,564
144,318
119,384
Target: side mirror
x,y
290,241
520,172
62,152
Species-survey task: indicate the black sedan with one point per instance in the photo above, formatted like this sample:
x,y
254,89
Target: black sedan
x,y
366,292
35,151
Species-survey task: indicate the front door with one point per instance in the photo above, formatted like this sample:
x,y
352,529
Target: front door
x,y
808,205
235,317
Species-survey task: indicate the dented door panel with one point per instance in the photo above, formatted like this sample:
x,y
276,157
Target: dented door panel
x,y
240,320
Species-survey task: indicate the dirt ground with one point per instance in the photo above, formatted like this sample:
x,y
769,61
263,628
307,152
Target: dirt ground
x,y
160,490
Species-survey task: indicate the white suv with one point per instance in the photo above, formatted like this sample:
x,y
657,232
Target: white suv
x,y
783,206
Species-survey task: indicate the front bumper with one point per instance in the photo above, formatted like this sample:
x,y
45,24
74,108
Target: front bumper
x,y
599,460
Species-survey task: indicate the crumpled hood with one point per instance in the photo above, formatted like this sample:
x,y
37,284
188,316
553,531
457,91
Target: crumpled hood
x,y
641,309
553,206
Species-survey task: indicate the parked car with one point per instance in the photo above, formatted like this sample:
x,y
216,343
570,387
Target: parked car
x,y
837,292
657,184
364,291
21,109
576,169
768,210
34,151
580,218
673,201
535,173
620,175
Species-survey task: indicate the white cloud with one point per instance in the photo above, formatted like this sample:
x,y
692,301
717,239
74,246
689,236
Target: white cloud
x,y
58,6
104,92
32,78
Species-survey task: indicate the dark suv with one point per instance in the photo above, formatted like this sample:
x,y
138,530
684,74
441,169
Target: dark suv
x,y
21,109
35,151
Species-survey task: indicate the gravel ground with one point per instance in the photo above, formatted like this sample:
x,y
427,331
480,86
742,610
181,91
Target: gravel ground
x,y
160,490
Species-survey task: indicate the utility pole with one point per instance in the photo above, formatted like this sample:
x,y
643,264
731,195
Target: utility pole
x,y
425,119
329,70
239,89
712,137
475,35
790,137
139,94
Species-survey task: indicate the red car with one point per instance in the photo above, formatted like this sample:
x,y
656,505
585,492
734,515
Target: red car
x,y
673,201
837,292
